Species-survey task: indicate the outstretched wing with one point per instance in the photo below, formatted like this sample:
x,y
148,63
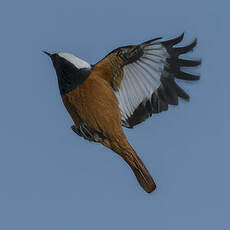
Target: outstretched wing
x,y
143,77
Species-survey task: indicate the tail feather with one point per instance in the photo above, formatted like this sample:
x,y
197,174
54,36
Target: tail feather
x,y
125,150
143,176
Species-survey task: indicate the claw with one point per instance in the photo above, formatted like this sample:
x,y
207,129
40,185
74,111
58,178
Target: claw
x,y
85,132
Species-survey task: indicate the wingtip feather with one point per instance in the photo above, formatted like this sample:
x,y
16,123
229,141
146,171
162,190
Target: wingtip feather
x,y
173,41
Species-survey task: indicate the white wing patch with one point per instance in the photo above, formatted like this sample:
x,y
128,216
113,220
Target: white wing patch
x,y
141,79
148,85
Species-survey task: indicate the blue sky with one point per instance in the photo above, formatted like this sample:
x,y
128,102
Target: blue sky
x,y
52,179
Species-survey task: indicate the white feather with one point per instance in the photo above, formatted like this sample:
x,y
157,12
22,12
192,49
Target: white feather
x,y
141,79
154,76
145,81
79,63
135,90
156,59
124,91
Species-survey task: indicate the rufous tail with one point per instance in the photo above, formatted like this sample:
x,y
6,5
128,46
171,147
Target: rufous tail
x,y
125,150
143,176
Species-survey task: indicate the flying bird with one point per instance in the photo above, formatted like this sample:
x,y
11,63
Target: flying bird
x,y
123,89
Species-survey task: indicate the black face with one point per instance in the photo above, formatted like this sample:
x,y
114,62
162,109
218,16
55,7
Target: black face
x,y
63,67
69,76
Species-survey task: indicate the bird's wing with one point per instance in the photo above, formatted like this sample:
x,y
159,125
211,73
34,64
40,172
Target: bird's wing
x,y
143,77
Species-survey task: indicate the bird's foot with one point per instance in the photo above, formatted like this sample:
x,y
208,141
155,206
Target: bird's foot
x,y
88,133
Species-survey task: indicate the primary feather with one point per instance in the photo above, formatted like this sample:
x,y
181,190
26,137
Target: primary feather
x,y
148,82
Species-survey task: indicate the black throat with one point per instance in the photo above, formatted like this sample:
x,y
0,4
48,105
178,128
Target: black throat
x,y
69,82
69,76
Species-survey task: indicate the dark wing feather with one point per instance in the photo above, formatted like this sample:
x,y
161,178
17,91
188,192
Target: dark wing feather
x,y
147,80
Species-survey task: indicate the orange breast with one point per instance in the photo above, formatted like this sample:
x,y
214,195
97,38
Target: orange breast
x,y
96,104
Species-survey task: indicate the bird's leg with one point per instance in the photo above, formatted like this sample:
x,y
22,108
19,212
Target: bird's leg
x,y
82,132
87,133
76,130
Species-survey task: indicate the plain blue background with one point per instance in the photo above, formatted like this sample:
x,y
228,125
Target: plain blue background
x,y
52,179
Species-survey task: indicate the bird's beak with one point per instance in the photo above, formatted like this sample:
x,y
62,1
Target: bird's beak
x,y
47,53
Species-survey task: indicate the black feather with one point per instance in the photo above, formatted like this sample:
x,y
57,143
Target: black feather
x,y
155,103
162,94
163,105
185,49
188,63
149,107
170,91
180,92
186,76
149,42
174,41
140,114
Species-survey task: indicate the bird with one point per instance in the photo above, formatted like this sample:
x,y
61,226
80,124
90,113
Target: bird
x,y
123,89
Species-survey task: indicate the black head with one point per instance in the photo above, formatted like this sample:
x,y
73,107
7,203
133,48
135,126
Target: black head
x,y
71,71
